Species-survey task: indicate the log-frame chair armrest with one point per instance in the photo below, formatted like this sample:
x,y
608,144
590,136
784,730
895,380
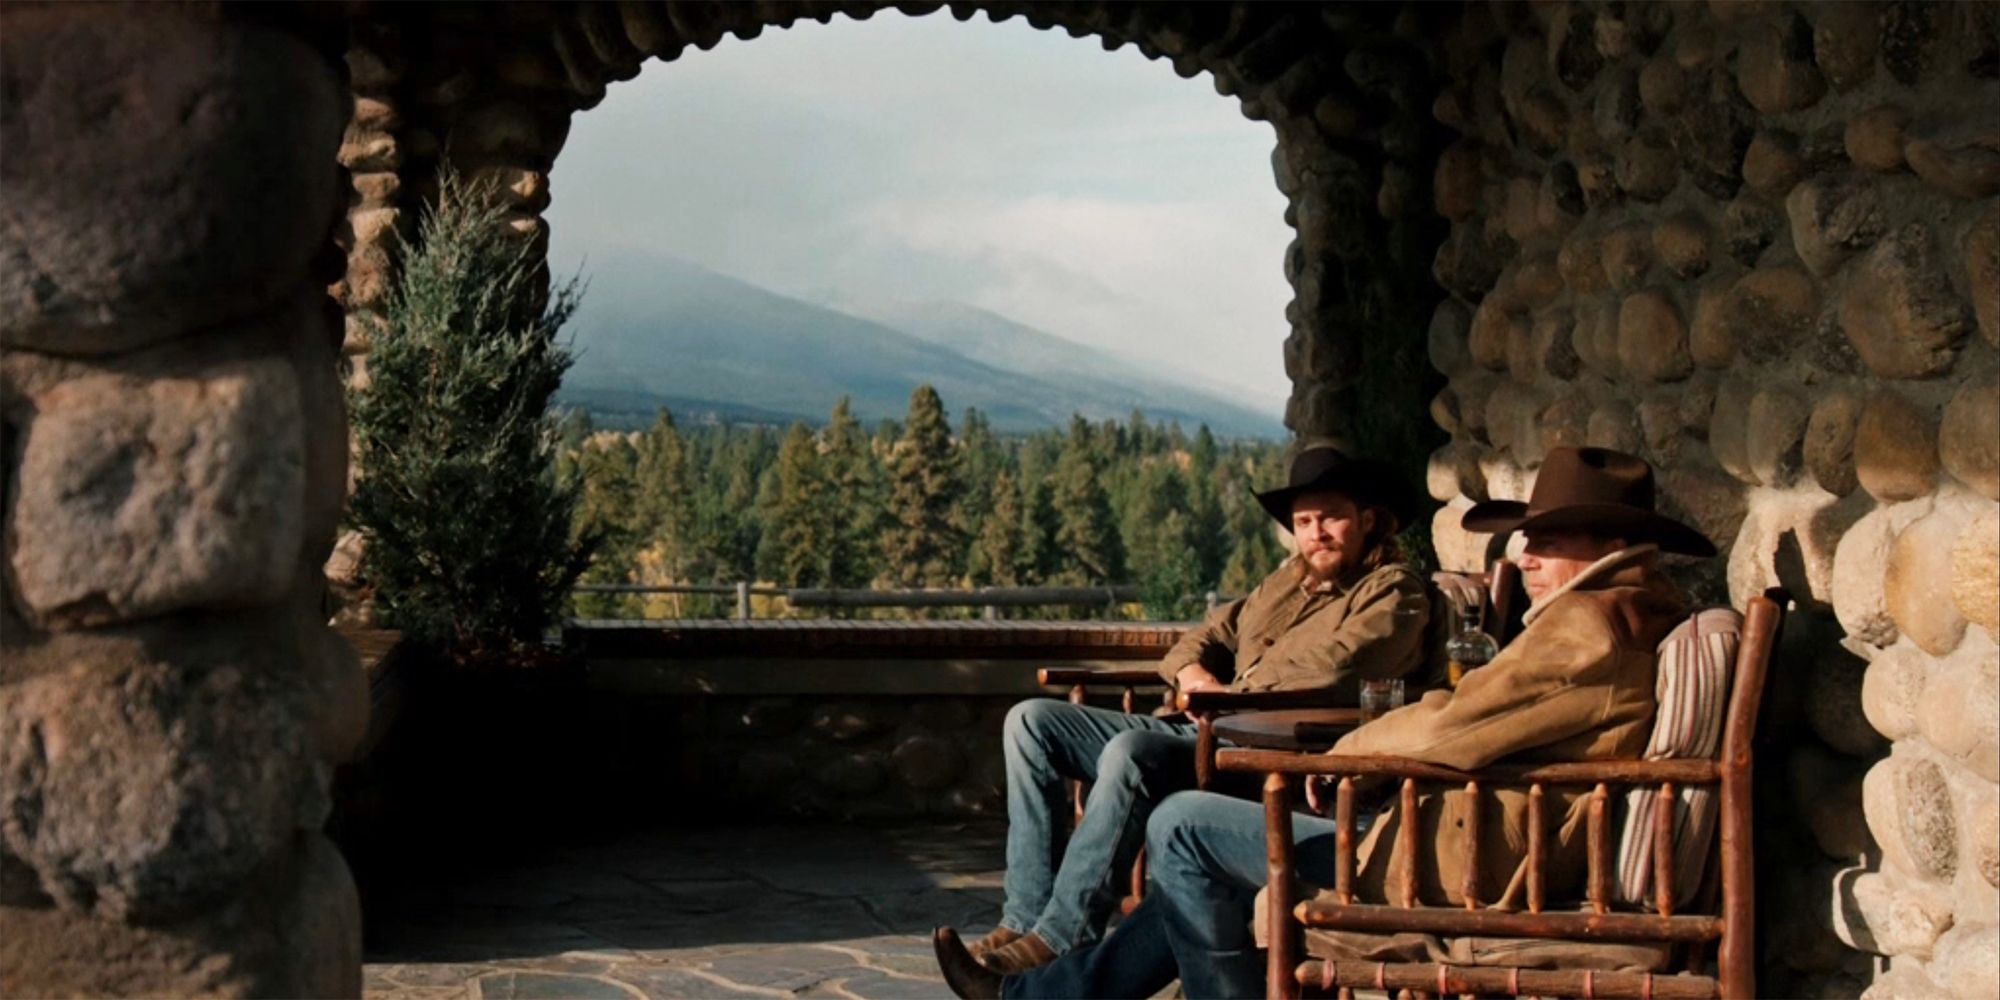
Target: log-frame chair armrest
x,y
1624,772
1258,701
1088,677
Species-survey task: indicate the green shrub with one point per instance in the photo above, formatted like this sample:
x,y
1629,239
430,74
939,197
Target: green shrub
x,y
468,524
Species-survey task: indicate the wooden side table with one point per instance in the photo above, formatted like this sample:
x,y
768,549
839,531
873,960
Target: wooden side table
x,y
1310,730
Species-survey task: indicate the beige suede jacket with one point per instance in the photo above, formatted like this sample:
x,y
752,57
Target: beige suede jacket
x,y
1576,684
1287,635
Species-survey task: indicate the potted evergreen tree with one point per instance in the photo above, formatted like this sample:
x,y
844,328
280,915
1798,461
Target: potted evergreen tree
x,y
470,546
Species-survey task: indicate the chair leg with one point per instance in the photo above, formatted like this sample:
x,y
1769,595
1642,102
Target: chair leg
x,y
1139,878
1281,978
1736,953
1204,753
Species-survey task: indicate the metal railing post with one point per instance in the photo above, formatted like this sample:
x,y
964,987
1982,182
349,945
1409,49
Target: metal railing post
x,y
742,600
1213,599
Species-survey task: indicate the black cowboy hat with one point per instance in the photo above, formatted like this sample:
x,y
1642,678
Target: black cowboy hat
x,y
1366,481
1593,489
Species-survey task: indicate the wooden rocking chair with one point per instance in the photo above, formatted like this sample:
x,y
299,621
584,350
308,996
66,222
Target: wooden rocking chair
x,y
1730,925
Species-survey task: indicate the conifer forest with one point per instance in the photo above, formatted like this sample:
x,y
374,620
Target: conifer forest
x,y
920,503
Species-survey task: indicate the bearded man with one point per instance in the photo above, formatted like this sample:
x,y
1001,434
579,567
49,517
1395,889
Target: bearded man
x,y
1342,609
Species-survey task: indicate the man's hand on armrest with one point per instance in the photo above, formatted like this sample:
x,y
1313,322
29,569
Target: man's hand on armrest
x,y
1319,794
1195,677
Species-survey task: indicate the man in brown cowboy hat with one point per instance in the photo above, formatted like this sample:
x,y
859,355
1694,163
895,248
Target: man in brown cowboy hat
x,y
1576,684
1343,608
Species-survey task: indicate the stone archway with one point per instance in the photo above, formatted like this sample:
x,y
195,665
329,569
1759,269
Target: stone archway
x,y
1346,92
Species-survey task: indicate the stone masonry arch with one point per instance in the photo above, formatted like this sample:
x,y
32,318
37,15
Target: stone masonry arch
x,y
1345,90
1757,243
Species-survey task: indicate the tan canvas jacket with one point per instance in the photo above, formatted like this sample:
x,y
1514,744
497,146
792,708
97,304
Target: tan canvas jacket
x,y
1286,636
1576,684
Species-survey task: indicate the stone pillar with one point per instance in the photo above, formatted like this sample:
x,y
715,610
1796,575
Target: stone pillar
x,y
172,452
1351,112
1759,245
372,152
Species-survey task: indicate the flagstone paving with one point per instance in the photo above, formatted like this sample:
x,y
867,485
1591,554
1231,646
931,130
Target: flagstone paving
x,y
804,911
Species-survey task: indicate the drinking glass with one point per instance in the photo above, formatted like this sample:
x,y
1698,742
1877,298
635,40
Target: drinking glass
x,y
1379,698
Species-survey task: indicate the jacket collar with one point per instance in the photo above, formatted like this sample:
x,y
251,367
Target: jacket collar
x,y
1304,583
1627,567
1296,577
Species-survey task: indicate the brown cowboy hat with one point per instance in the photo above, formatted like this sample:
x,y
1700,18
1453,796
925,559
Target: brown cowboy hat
x,y
1594,489
1366,481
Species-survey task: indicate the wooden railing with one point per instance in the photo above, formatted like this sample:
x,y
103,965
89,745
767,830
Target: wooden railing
x,y
781,640
990,599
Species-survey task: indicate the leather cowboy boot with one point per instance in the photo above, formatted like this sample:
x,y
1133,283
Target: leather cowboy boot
x,y
963,973
1028,953
996,938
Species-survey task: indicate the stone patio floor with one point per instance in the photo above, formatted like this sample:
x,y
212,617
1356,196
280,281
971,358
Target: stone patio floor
x,y
767,911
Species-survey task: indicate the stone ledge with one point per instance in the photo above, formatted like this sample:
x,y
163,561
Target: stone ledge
x,y
873,640
750,675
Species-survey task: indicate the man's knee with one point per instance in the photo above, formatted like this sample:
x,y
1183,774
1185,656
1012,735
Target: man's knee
x,y
1169,823
1027,719
1137,754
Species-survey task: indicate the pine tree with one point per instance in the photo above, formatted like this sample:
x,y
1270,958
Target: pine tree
x,y
1159,537
469,528
1138,439
1211,525
1086,539
664,506
921,545
726,517
797,543
605,464
854,485
998,556
983,459
1040,560
1203,456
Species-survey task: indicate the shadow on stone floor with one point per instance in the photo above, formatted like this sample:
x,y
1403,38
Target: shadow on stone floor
x,y
809,910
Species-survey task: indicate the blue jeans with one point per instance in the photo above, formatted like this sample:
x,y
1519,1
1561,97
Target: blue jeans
x,y
1133,963
1207,858
1134,761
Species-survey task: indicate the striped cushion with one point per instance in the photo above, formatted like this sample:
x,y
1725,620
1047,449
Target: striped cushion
x,y
1692,691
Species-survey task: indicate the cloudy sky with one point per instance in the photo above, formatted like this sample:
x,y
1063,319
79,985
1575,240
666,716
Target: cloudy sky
x,y
1095,195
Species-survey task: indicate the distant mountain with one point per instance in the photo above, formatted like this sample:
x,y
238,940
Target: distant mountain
x,y
656,330
1084,371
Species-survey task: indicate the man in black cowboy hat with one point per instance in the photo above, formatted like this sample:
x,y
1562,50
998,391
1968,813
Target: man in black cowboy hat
x,y
1341,609
1577,684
